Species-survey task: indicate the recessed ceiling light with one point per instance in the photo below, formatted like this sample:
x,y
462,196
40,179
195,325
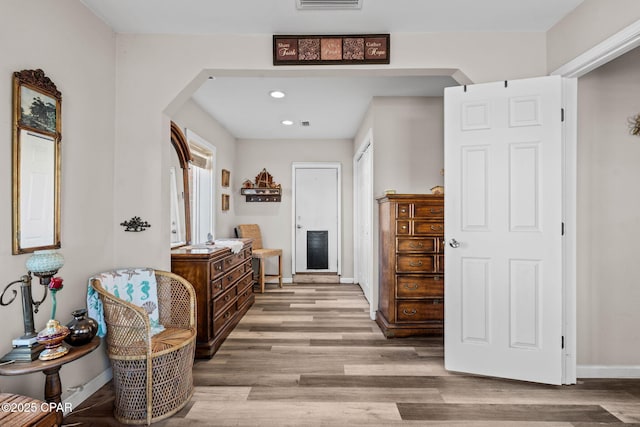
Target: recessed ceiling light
x,y
287,122
276,94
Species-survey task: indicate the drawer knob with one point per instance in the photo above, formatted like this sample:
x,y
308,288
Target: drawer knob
x,y
403,210
227,314
404,227
436,210
411,286
436,277
218,267
416,245
415,264
228,297
436,228
409,313
437,301
219,286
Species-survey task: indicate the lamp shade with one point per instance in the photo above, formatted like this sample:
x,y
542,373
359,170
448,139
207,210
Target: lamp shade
x,y
48,261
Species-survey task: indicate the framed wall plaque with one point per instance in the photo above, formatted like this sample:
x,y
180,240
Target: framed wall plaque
x,y
331,49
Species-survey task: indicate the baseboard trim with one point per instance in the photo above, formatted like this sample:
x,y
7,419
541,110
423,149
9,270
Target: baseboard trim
x,y
347,280
608,371
84,391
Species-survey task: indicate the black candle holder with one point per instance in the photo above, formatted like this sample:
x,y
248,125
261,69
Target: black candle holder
x,y
135,224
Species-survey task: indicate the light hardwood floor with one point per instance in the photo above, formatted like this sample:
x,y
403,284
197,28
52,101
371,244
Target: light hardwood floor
x,y
308,355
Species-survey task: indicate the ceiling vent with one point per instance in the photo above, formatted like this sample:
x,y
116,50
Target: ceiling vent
x,y
305,123
328,4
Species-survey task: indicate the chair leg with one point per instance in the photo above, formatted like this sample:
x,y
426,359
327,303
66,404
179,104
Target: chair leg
x,y
280,269
262,275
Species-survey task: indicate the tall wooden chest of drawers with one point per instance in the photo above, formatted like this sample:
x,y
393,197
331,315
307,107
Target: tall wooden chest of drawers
x,y
411,265
223,282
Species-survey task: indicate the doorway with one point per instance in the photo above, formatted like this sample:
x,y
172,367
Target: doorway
x,y
316,218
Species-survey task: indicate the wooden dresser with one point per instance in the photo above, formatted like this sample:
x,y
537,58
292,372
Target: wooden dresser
x,y
411,265
224,290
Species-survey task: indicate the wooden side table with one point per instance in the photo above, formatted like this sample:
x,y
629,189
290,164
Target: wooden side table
x,y
51,370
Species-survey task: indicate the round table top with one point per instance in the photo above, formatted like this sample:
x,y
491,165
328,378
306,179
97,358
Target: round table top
x,y
21,368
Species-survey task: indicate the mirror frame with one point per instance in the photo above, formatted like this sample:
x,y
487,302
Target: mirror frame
x,y
36,81
179,142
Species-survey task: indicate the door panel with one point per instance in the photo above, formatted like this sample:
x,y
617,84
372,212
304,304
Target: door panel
x,y
503,207
316,211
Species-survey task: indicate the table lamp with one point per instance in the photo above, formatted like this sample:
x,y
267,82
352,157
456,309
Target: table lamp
x,y
44,265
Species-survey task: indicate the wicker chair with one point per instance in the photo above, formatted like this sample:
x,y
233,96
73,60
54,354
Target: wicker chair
x,y
152,375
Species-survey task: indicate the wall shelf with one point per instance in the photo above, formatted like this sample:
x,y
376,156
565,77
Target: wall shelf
x,y
259,194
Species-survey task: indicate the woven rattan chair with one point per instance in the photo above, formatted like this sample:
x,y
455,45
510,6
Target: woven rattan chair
x,y
258,252
152,375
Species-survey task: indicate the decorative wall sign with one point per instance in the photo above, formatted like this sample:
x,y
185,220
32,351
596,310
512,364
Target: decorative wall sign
x,y
331,49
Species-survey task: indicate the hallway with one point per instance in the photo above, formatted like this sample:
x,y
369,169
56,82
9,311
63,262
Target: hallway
x,y
308,355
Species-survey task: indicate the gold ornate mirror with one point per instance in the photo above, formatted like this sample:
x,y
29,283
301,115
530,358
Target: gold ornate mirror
x,y
36,162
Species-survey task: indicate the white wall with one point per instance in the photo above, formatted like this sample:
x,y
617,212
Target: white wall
x,y
408,144
274,218
193,117
77,51
589,24
154,70
608,215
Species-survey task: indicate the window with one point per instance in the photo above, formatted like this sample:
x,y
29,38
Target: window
x,y
202,188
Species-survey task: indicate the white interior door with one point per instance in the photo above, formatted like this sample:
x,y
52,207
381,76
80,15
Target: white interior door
x,y
316,216
503,223
363,244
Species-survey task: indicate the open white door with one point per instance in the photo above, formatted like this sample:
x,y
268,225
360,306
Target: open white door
x,y
503,224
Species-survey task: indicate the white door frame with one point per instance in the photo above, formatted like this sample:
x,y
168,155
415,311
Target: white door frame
x,y
620,43
315,165
367,143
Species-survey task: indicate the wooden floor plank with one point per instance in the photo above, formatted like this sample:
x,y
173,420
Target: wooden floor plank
x,y
309,355
505,412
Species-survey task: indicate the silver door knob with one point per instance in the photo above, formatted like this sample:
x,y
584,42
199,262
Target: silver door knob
x,y
454,243
298,226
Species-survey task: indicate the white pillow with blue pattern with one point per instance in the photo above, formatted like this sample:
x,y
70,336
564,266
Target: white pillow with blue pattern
x,y
135,285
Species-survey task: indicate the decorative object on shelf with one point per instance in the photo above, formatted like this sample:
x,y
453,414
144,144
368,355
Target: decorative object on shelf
x,y
634,125
54,333
351,49
225,202
51,337
36,150
135,224
438,189
82,328
44,265
265,189
389,192
225,178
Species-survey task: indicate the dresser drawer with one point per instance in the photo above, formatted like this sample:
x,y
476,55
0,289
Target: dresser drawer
x,y
233,276
224,299
402,227
420,286
420,244
217,268
243,296
225,317
426,210
420,311
415,264
217,287
427,228
233,260
245,282
403,210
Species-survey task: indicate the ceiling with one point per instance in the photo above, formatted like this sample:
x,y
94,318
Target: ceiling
x,y
334,106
